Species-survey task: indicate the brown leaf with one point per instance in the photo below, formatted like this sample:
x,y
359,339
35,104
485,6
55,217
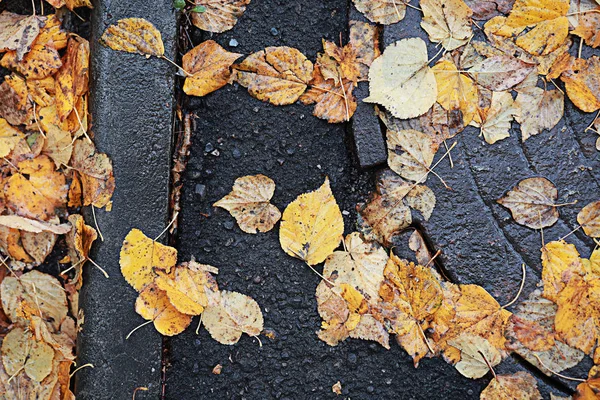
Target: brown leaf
x,y
218,16
538,109
476,355
334,101
95,172
17,32
532,203
519,386
501,73
486,9
40,62
32,225
589,219
79,243
384,12
73,77
364,38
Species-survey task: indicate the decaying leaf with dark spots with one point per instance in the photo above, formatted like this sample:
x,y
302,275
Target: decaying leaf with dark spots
x,y
486,9
501,72
334,101
79,242
73,77
218,16
532,203
17,32
134,35
447,22
521,386
95,172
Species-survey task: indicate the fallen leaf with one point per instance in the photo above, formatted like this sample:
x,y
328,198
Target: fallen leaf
x,y
32,225
334,101
17,32
417,244
95,172
369,328
209,65
36,191
501,72
401,81
337,388
20,351
447,22
235,314
384,12
588,26
134,35
140,255
518,386
12,245
557,258
11,107
582,83
410,154
58,145
72,78
9,137
312,226
538,109
334,311
475,355
343,59
532,203
590,389
38,245
79,243
486,9
40,62
218,16
189,287
589,219
278,75
456,91
153,305
496,120
249,203
364,39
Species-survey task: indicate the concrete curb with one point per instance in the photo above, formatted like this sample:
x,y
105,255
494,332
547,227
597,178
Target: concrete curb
x,y
131,104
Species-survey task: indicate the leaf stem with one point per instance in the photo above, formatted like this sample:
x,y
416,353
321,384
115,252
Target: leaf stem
x,y
520,289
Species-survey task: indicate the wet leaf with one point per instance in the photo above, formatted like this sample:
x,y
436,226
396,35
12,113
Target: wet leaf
x,y
364,39
278,75
496,120
532,203
588,27
582,82
538,109
38,245
20,351
312,226
334,101
384,12
410,153
218,16
518,386
209,65
557,258
17,32
235,314
79,243
154,305
413,89
499,73
40,62
140,255
447,22
58,145
249,203
95,172
474,352
334,311
456,91
486,9
589,219
134,35
73,76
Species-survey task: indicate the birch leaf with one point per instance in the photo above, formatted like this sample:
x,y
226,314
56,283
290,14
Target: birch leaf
x,y
474,352
134,35
153,305
218,15
589,219
532,203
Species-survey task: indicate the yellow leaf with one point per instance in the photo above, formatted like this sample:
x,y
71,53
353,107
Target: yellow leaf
x,y
401,81
410,153
312,226
384,12
209,65
278,75
557,258
531,203
476,353
140,255
582,82
190,287
79,243
235,314
58,145
9,137
218,16
456,91
589,219
40,62
519,386
249,203
447,22
20,350
73,76
134,35
153,305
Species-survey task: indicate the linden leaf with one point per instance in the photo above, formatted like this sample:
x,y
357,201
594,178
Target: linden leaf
x,y
32,225
557,258
249,203
17,32
278,75
447,22
38,292
369,328
475,355
538,109
134,35
334,101
401,81
79,243
37,191
235,314
190,287
9,137
410,153
532,203
518,386
95,172
582,82
20,351
312,226
589,219
360,265
456,91
496,120
218,15
385,12
209,65
153,305
501,72
140,255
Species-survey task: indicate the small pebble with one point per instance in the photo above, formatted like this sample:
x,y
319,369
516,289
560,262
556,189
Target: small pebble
x,y
257,279
290,151
346,212
200,190
209,147
236,153
228,225
215,153
352,358
233,43
274,31
370,389
280,161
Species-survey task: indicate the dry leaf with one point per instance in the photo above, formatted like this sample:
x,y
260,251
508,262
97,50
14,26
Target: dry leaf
x,y
557,258
589,28
58,145
72,78
312,226
410,154
32,225
218,16
249,203
538,109
475,355
153,305
334,101
447,22
369,328
501,72
486,9
40,62
337,388
364,39
278,75
235,314
190,287
589,219
417,244
518,386
140,255
17,32
9,137
134,35
384,12
79,243
37,190
456,91
532,203
20,351
95,172
496,120
209,65
38,245
401,81
334,311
